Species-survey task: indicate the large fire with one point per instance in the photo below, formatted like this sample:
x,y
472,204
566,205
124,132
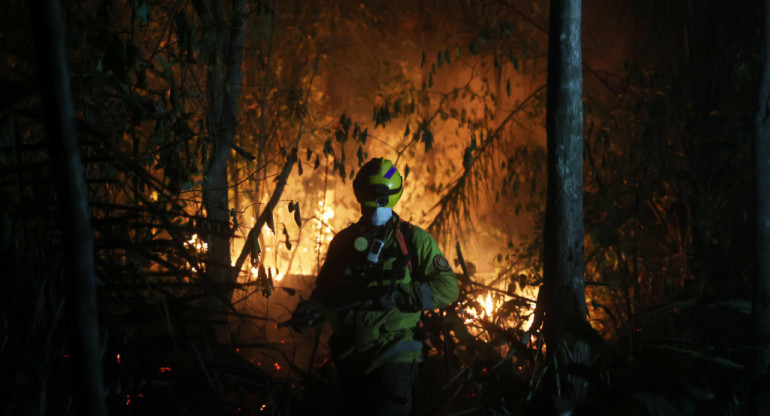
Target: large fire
x,y
488,305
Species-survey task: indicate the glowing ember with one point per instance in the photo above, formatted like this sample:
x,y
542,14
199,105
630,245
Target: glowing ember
x,y
165,369
199,244
328,214
489,306
118,358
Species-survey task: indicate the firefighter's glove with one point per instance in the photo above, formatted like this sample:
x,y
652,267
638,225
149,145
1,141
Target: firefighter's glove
x,y
401,297
304,316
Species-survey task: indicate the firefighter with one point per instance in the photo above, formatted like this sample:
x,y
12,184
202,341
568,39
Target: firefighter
x,y
379,275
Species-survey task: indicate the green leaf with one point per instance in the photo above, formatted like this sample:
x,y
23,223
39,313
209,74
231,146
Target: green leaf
x,y
140,12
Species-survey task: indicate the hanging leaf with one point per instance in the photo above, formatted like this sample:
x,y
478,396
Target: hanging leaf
x,y
364,135
406,133
508,87
427,139
360,155
243,152
140,12
309,153
406,172
440,59
299,167
473,47
422,61
446,57
514,61
317,163
265,280
328,148
287,241
468,157
297,215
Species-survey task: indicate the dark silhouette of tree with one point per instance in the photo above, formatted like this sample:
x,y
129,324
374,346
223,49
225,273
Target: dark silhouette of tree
x,y
74,214
564,308
761,307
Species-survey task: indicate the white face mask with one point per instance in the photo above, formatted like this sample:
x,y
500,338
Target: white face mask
x,y
379,216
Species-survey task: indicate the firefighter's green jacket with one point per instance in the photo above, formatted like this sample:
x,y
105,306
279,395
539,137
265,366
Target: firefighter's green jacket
x,y
366,334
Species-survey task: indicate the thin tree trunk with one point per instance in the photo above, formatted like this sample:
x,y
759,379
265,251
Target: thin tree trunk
x,y
761,305
224,56
565,308
74,215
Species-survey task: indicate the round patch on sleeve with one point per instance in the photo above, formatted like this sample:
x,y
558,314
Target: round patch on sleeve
x,y
441,263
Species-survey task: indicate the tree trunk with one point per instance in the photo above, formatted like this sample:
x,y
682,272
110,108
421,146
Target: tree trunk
x,y
74,216
223,58
761,305
564,309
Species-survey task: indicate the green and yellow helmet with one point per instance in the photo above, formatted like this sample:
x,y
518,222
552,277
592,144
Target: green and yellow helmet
x,y
378,184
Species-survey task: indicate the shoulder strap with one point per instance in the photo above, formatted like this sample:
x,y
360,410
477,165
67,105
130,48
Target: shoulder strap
x,y
402,241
